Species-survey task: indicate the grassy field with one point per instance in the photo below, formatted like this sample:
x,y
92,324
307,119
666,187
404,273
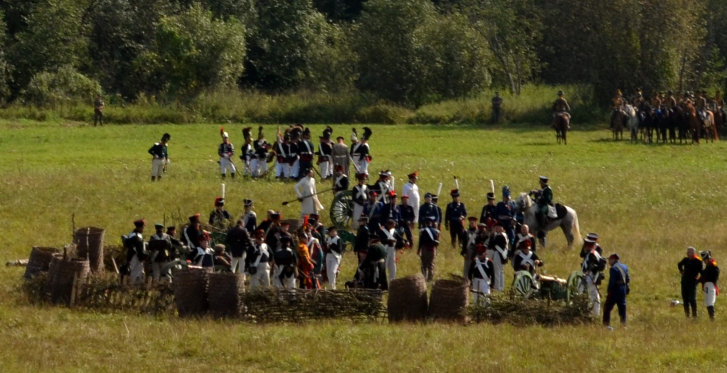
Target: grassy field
x,y
646,202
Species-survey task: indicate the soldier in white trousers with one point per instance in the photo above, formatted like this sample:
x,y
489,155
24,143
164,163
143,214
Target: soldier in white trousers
x,y
334,251
709,277
260,267
226,151
592,268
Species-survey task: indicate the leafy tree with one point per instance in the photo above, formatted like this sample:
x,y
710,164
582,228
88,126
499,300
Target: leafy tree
x,y
192,52
4,66
61,86
340,10
55,36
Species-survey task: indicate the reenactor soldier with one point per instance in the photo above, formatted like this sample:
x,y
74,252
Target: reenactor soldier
x,y
360,151
247,152
617,104
160,157
719,104
219,217
261,148
307,194
524,235
284,265
454,218
406,217
411,189
544,201
334,248
526,256
504,212
592,267
259,265
160,247
373,208
383,185
498,252
294,152
390,210
240,244
439,215
340,180
340,154
360,196
98,106
691,268
325,154
306,150
496,108
282,148
249,217
374,265
192,233
671,101
468,245
226,150
428,210
480,272
618,289
136,253
178,249
428,243
709,277
489,210
560,107
639,98
363,234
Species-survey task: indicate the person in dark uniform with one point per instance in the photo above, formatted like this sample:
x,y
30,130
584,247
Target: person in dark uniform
x,y
273,232
438,221
454,218
480,272
489,210
427,251
340,180
469,243
375,265
592,267
374,208
526,256
496,108
261,148
249,217
361,244
406,217
219,217
240,243
306,150
160,157
192,233
618,289
226,150
98,106
691,268
160,248
544,201
709,277
360,195
561,107
390,210
428,210
325,154
504,213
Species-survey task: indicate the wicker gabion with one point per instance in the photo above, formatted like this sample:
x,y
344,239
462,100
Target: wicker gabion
x,y
190,292
223,294
448,301
89,244
39,260
408,299
66,279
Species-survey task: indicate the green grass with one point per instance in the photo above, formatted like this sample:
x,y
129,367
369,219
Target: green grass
x,y
647,203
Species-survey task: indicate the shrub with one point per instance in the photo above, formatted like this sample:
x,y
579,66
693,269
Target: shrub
x,y
66,85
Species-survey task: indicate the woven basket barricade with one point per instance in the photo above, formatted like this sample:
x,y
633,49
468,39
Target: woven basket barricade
x,y
89,244
408,299
65,278
448,301
223,294
190,291
39,260
300,305
105,293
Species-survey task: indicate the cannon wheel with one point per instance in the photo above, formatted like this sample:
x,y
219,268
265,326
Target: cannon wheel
x,y
342,209
523,284
576,285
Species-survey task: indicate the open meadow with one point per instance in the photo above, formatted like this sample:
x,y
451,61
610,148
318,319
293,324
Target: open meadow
x,y
647,202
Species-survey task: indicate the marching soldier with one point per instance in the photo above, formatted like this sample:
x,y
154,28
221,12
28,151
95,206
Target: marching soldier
x,y
427,251
334,251
454,218
340,155
306,150
325,154
136,253
489,211
428,210
360,151
340,180
261,148
592,267
219,217
282,149
561,107
226,150
360,196
411,190
709,277
247,152
691,268
618,289
160,157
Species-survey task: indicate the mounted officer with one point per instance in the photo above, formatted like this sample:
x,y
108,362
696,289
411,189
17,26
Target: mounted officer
x,y
544,201
561,107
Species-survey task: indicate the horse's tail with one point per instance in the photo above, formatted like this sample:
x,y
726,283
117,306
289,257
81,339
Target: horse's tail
x,y
576,228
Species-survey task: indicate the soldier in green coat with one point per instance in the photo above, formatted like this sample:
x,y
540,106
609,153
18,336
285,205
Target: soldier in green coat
x,y
544,201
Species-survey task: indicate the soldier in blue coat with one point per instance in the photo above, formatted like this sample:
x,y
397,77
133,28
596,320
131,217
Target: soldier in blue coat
x,y
428,210
489,210
618,288
406,217
454,218
504,213
160,157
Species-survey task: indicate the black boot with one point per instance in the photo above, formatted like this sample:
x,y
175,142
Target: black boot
x,y
153,178
232,175
710,310
223,176
686,309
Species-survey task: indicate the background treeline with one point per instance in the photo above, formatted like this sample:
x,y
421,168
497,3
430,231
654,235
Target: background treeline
x,y
348,60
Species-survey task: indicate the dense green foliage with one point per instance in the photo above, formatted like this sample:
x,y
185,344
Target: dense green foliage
x,y
406,53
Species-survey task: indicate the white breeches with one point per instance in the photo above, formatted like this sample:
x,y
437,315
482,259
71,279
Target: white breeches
x,y
157,167
391,262
261,279
326,169
357,211
710,294
226,164
333,261
481,288
593,295
136,271
286,283
498,269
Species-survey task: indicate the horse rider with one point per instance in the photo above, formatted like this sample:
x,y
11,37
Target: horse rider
x,y
617,103
561,107
702,105
670,101
544,201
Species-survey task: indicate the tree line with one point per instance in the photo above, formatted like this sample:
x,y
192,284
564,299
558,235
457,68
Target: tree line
x,y
407,52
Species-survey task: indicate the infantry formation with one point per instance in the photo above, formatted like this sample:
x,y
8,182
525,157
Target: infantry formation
x,y
303,253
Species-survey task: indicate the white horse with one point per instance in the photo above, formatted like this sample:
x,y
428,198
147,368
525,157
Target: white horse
x,y
568,222
633,122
